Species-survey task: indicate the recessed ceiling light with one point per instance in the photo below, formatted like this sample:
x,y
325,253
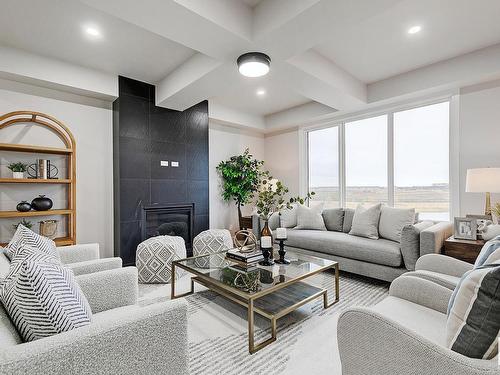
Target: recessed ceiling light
x,y
261,92
414,29
92,32
254,64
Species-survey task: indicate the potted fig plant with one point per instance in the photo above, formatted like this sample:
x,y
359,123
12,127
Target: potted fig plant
x,y
241,177
17,169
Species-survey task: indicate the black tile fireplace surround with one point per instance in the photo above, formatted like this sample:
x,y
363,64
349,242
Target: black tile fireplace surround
x,y
146,140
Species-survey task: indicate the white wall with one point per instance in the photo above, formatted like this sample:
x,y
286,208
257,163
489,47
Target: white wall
x,y
91,126
479,139
224,142
282,158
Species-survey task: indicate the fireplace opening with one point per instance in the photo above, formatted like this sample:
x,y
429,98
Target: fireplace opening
x,y
169,220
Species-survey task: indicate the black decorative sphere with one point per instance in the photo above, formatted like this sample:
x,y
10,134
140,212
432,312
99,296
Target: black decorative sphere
x,y
41,203
23,206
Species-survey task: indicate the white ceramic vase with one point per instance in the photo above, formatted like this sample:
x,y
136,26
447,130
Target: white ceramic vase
x,y
17,174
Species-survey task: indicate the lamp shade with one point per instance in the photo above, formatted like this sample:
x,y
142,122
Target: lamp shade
x,y
483,180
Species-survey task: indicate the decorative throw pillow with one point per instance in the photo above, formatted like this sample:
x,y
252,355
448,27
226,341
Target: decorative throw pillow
x,y
348,216
25,236
334,219
43,299
473,325
310,217
365,221
25,252
392,221
288,218
490,253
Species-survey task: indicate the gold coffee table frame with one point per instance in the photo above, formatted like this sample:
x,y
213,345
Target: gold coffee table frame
x,y
294,291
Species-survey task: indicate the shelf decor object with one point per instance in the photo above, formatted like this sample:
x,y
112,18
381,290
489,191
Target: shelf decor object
x,y
68,152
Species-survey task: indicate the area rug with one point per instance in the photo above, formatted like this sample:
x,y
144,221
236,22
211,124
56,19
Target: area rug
x,y
306,343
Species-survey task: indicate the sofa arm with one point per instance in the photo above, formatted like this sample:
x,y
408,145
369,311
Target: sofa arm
x,y
98,265
443,264
78,253
432,238
410,242
370,343
422,292
133,340
110,289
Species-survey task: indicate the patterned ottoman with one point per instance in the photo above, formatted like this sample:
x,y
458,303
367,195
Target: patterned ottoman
x,y
209,242
154,258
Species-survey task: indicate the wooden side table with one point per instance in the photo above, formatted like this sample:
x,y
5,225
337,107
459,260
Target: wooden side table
x,y
465,250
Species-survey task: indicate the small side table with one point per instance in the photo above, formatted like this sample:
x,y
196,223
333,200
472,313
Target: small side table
x,y
465,250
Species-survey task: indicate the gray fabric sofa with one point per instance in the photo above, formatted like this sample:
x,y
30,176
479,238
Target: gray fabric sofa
x,y
381,259
404,334
123,338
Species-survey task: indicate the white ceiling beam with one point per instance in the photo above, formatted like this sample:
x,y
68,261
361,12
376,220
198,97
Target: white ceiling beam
x,y
234,16
171,91
315,65
179,23
299,115
471,68
54,74
229,116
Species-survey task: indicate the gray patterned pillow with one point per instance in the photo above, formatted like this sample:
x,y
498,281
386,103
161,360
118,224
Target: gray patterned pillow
x,y
27,252
25,236
473,325
43,299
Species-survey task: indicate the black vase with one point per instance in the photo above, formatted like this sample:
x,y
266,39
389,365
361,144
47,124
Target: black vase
x,y
23,206
41,203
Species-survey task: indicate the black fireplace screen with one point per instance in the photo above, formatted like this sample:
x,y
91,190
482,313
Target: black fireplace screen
x,y
169,220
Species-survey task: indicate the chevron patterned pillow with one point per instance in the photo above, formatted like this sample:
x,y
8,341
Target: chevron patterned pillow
x,y
24,252
43,299
25,236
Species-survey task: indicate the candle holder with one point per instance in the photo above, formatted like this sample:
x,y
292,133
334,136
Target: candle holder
x,y
268,261
282,252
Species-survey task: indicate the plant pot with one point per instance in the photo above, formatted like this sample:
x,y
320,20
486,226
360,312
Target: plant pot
x,y
41,203
18,175
23,206
491,231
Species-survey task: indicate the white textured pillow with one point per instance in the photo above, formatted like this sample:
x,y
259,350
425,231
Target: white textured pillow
x,y
43,299
392,221
288,217
310,217
25,236
365,221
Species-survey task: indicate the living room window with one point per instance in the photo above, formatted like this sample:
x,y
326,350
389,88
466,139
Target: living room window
x,y
324,166
366,161
421,160
400,158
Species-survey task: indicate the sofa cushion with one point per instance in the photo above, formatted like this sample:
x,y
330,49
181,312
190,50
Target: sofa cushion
x,y
348,216
410,242
25,236
310,217
334,219
365,221
43,299
288,218
473,325
392,221
381,251
428,323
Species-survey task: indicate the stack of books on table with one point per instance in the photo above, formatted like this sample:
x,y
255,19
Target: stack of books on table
x,y
244,258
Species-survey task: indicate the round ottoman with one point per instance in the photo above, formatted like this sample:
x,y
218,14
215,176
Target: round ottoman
x,y
210,242
154,258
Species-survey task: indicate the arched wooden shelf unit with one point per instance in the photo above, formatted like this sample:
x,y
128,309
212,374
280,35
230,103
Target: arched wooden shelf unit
x,y
69,152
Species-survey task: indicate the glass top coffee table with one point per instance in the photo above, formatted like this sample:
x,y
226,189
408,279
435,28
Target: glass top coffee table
x,y
271,292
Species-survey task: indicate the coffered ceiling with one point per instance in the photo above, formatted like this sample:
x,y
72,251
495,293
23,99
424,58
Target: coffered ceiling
x,y
336,55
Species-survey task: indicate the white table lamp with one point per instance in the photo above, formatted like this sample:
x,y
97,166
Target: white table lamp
x,y
483,180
